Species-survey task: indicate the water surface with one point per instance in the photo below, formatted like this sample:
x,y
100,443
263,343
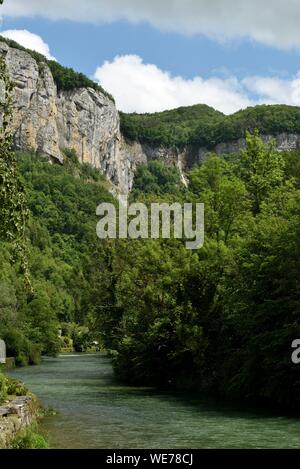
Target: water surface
x,y
96,412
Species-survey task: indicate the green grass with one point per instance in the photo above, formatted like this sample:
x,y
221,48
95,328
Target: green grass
x,y
30,439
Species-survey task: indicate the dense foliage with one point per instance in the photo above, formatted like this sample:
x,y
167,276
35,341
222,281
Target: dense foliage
x,y
175,127
204,126
62,237
155,177
14,213
10,387
66,79
220,319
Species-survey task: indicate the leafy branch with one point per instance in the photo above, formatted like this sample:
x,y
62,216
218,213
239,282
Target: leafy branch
x,y
13,206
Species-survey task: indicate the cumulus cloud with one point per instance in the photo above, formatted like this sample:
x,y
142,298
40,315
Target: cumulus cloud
x,y
140,87
28,40
272,90
273,22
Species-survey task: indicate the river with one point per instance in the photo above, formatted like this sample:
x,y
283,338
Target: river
x,y
96,412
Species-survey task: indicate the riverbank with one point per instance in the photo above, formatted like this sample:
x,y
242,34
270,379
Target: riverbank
x,y
20,411
16,416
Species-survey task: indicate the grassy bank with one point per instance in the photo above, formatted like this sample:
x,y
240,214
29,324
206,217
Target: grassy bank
x,y
20,413
30,438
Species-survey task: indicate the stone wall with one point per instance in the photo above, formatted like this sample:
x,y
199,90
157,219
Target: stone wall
x,y
15,416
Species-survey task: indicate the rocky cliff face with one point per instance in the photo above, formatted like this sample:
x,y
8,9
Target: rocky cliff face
x,y
47,121
186,157
137,153
284,142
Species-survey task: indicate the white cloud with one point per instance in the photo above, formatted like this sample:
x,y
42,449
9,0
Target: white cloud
x,y
28,40
145,88
272,90
274,22
140,87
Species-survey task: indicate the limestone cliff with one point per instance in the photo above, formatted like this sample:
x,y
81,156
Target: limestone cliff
x,y
47,121
187,156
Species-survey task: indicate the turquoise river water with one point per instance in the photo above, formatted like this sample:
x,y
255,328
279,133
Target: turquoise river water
x,y
96,412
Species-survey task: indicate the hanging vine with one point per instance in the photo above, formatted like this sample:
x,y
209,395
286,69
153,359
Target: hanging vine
x,y
13,207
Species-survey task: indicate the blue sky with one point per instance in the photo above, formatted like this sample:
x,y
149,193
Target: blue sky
x,y
85,46
151,62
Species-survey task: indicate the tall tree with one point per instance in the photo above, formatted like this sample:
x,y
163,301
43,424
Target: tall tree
x,y
262,168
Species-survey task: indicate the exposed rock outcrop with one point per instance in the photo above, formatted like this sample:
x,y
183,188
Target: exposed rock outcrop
x,y
47,121
284,142
187,156
136,153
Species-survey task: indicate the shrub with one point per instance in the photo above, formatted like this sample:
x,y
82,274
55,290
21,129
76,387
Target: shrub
x,y
16,388
34,354
30,439
22,359
156,178
15,342
21,348
3,388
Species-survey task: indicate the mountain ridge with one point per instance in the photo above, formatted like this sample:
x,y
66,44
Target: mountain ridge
x,y
211,128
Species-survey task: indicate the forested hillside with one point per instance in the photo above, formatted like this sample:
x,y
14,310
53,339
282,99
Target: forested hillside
x,y
206,127
61,241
